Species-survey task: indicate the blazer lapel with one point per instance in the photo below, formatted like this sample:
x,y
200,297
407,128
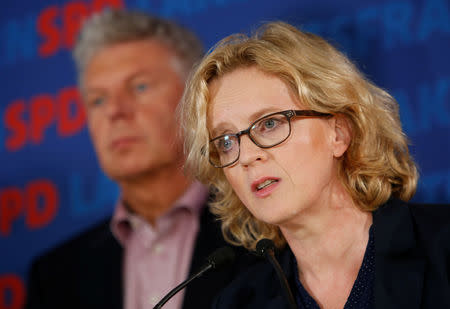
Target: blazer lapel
x,y
399,266
102,263
200,292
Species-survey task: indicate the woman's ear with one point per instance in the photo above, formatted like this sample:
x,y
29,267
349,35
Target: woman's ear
x,y
342,136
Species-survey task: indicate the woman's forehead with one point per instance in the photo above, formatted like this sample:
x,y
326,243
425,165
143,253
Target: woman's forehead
x,y
241,96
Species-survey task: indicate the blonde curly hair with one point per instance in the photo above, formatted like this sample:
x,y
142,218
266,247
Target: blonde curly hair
x,y
377,163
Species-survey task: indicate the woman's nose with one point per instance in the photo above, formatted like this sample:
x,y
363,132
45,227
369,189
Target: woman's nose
x,y
250,152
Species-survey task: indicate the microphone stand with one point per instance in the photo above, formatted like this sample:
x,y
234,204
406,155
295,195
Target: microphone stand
x,y
282,278
265,247
219,258
180,287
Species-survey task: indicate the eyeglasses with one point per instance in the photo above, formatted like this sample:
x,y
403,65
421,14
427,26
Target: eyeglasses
x,y
266,132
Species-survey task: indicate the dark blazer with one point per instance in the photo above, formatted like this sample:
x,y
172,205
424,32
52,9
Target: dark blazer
x,y
412,263
86,272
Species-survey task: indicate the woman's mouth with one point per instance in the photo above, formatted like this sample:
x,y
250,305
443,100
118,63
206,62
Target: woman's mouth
x,y
264,187
265,184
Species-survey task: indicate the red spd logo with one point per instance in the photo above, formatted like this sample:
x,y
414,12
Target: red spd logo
x,y
38,202
58,26
27,122
12,292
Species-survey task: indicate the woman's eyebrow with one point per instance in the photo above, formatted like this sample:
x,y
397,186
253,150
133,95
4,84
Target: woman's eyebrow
x,y
221,129
263,112
224,127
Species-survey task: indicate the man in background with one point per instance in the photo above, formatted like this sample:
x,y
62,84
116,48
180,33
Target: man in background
x,y
132,71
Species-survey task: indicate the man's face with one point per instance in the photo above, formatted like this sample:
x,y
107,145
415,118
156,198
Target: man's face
x,y
131,91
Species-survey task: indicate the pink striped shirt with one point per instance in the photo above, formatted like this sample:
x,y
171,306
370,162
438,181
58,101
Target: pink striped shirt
x,y
157,258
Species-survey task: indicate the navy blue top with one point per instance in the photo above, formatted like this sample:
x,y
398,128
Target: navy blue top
x,y
412,265
361,295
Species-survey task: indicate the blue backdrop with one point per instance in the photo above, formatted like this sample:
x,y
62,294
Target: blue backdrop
x,y
50,183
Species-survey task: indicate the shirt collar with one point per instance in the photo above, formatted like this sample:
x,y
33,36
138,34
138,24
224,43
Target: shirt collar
x,y
124,222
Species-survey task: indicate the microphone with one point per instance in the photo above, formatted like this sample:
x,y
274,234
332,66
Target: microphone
x,y
266,248
219,258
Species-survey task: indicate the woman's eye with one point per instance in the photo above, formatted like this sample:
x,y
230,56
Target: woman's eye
x,y
270,123
225,144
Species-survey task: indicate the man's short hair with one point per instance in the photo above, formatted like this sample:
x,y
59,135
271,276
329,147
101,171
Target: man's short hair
x,y
111,27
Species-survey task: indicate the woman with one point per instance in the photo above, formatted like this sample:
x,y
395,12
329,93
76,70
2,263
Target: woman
x,y
303,150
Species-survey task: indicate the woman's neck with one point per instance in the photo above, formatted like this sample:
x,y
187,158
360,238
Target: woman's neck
x,y
329,243
336,240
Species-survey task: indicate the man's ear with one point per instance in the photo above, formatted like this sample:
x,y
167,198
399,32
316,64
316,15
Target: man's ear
x,y
342,136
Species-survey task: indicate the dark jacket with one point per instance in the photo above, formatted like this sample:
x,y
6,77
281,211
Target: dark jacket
x,y
86,272
412,263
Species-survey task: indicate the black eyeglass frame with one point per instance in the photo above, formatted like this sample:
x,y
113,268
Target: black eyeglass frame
x,y
287,113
